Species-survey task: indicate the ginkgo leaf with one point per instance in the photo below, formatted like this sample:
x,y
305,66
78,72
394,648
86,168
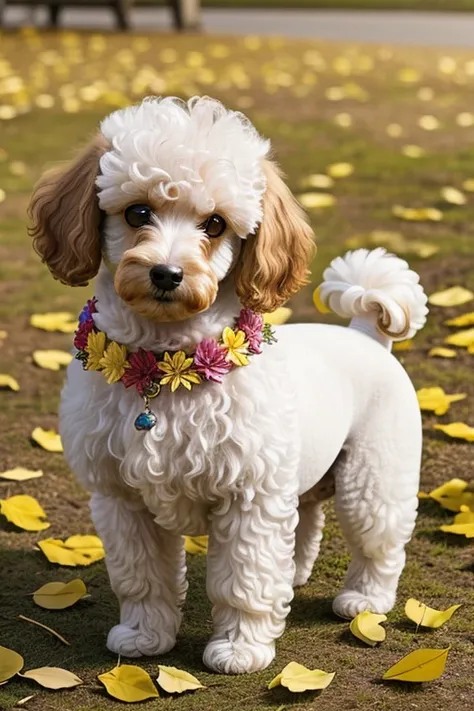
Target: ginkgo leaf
x,y
455,296
24,512
47,439
196,544
52,360
8,381
76,550
129,683
463,320
366,627
436,400
53,677
458,430
21,474
463,524
10,664
420,665
62,321
452,495
297,678
175,681
319,303
316,200
463,339
425,616
58,596
278,317
440,352
453,196
340,170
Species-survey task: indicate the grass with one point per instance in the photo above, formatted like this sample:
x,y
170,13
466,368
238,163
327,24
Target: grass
x,y
287,88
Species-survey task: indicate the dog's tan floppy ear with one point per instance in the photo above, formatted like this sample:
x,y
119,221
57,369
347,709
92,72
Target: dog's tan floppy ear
x,y
274,262
65,217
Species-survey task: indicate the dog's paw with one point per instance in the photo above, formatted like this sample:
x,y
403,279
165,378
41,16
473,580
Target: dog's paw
x,y
131,642
302,575
227,656
349,603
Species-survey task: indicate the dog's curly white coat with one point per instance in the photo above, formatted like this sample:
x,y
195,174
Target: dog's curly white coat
x,y
241,460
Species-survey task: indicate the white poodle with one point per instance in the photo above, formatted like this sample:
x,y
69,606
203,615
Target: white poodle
x,y
193,234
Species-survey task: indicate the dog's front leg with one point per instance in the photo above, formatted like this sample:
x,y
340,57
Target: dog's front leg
x,y
147,571
249,580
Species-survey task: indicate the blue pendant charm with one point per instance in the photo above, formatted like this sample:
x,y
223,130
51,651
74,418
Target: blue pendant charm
x,y
145,420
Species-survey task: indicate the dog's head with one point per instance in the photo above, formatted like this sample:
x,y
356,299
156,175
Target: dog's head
x,y
175,197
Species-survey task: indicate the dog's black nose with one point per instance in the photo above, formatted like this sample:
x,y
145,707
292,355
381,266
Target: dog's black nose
x,y
166,277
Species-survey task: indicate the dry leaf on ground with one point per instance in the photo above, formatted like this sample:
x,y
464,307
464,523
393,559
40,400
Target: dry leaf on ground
x,y
457,430
455,296
76,550
8,381
53,677
463,524
417,214
196,544
440,352
462,339
297,678
340,170
402,346
420,665
10,664
47,439
436,400
52,359
463,320
425,616
317,180
24,512
453,196
21,474
452,495
312,201
59,596
62,321
128,683
366,627
176,681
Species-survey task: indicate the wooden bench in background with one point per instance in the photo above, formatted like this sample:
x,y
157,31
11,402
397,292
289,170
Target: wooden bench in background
x,y
186,13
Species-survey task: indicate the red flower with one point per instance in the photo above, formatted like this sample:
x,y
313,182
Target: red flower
x,y
82,333
210,360
142,371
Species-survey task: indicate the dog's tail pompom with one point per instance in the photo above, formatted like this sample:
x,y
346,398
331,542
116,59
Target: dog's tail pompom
x,y
378,291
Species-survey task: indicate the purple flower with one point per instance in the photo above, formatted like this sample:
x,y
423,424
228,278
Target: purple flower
x,y
88,310
210,361
252,325
82,333
142,370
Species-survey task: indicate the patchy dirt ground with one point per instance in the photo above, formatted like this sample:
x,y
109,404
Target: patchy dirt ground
x,y
320,104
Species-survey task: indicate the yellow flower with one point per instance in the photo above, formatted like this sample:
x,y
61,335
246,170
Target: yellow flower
x,y
95,348
114,362
178,371
237,346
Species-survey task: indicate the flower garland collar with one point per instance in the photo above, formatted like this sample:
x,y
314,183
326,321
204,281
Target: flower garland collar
x,y
149,373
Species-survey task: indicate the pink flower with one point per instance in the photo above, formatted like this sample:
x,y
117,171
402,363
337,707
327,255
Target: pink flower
x,y
210,360
82,333
142,370
252,325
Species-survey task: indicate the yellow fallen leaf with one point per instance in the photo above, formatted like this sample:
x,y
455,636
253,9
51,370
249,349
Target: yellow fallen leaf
x,y
453,196
76,550
455,296
10,664
52,360
402,346
176,681
344,120
52,677
413,151
425,616
340,170
366,627
317,180
463,523
464,320
297,678
440,352
21,474
62,321
425,93
319,303
25,700
409,75
463,339
394,130
196,544
428,123
58,596
316,200
417,214
278,317
3,334
458,430
468,185
436,400
465,119
420,665
47,439
24,512
452,495
128,683
7,381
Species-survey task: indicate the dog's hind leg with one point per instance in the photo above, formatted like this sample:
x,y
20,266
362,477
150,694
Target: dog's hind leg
x,y
147,571
376,501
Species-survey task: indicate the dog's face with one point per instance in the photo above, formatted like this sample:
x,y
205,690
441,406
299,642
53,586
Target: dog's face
x,y
175,197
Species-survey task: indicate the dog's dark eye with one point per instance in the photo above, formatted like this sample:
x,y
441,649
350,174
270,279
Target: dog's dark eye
x,y
214,226
138,215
